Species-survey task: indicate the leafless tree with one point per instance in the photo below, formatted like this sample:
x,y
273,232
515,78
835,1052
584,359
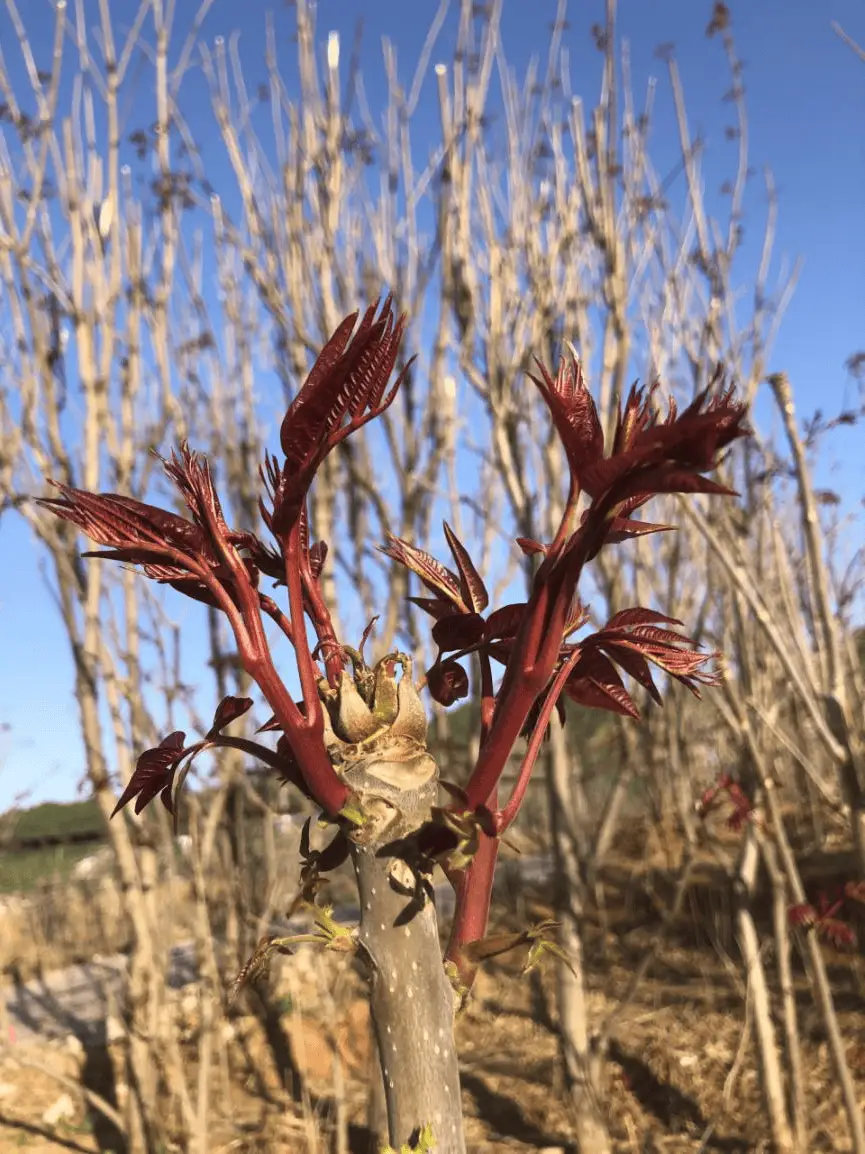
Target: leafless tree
x,y
561,231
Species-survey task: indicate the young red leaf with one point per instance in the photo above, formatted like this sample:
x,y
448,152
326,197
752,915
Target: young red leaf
x,y
317,557
458,631
529,547
165,546
154,772
474,592
684,665
500,650
123,523
447,682
505,622
669,457
577,618
534,714
635,665
594,694
594,682
632,639
623,529
344,390
228,710
188,586
739,817
836,932
289,772
270,725
437,578
574,415
669,478
190,473
743,808
802,915
435,608
262,557
634,416
627,618
193,587
708,800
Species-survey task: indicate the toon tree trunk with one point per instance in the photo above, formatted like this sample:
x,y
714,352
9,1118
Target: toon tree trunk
x,y
412,1002
412,1009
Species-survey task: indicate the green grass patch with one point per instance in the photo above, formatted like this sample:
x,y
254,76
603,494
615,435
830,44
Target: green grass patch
x,y
23,871
53,819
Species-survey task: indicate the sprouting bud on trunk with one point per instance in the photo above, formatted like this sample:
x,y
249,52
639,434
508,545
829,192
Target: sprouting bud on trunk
x,y
385,704
354,720
411,718
396,708
380,748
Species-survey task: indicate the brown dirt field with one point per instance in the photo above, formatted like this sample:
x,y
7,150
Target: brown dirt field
x,y
682,1075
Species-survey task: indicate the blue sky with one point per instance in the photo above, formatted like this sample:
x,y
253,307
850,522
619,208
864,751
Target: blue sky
x,y
806,101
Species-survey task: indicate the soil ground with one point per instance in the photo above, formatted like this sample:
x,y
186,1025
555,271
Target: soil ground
x,y
682,1074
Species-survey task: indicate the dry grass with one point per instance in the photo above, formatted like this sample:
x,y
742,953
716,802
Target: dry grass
x,y
63,923
669,1076
682,1074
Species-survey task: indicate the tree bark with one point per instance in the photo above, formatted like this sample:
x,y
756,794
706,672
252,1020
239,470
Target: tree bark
x,y
758,991
783,951
849,775
820,984
412,1002
412,1008
582,1067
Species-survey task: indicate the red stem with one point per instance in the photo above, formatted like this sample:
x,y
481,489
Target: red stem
x,y
537,645
247,596
567,525
508,814
261,752
488,699
474,887
304,733
274,612
323,782
305,665
323,623
321,778
529,669
205,574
